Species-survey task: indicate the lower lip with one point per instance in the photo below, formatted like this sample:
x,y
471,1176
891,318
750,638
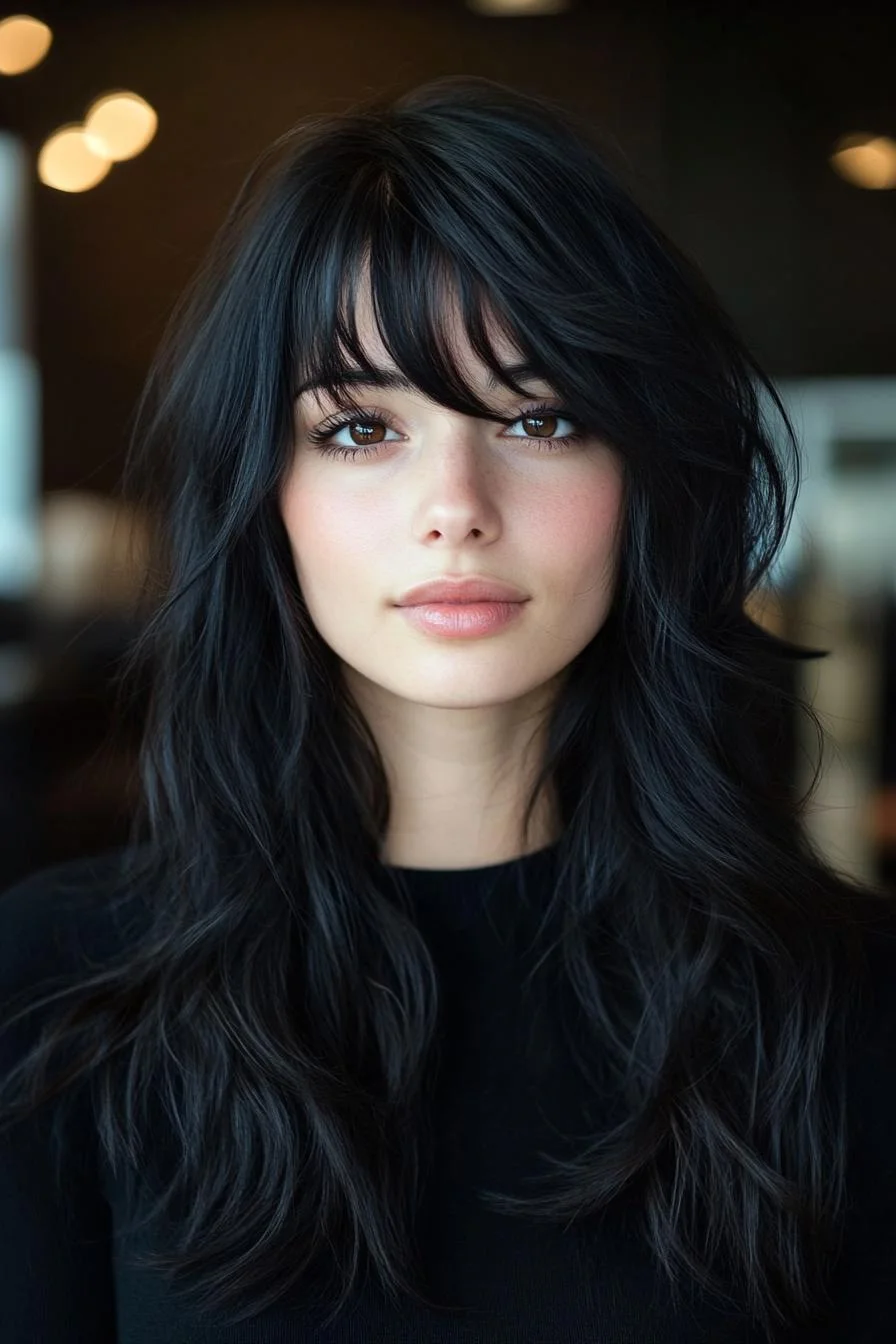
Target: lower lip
x,y
455,620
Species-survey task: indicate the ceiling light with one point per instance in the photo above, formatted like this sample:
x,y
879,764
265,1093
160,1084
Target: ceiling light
x,y
24,42
119,125
517,8
68,163
866,161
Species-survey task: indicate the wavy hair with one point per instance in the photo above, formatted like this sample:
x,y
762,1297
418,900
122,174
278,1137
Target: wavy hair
x,y
279,1003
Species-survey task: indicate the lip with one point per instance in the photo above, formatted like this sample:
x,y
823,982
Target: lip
x,y
462,620
460,591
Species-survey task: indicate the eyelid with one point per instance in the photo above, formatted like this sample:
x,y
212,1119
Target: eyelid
x,y
337,418
353,410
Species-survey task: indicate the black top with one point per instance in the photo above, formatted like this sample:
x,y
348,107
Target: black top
x,y
65,1266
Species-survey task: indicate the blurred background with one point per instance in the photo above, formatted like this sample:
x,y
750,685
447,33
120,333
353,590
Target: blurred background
x,y
762,139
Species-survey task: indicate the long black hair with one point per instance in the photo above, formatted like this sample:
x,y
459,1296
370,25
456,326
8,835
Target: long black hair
x,y
279,1003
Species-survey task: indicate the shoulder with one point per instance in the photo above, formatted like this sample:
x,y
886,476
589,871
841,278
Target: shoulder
x,y
56,1226
871,1046
877,920
58,915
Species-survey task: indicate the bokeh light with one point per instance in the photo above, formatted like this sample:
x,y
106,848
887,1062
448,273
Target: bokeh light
x,y
517,8
119,125
68,163
865,160
24,42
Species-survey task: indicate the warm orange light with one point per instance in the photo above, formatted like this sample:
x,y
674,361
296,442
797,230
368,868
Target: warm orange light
x,y
68,163
517,8
867,161
119,125
24,42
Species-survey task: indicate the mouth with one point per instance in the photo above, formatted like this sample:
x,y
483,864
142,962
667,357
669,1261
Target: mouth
x,y
456,620
456,591
464,602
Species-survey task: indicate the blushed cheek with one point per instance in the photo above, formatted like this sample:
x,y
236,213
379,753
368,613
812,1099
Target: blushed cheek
x,y
301,512
333,542
581,529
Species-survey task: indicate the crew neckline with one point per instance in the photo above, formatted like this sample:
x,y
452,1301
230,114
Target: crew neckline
x,y
484,870
463,898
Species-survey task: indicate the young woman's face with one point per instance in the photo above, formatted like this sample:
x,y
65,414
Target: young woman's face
x,y
444,493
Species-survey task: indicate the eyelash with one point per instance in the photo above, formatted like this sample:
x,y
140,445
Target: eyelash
x,y
329,429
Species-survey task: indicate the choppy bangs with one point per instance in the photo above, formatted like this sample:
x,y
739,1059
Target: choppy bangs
x,y
378,244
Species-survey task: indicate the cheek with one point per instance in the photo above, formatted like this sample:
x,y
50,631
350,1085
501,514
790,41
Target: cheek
x,y
330,534
579,529
333,535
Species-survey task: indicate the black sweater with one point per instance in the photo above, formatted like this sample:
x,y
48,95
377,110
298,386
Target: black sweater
x,y
65,1267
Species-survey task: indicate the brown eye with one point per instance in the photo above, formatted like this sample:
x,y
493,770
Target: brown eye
x,y
364,432
540,421
367,431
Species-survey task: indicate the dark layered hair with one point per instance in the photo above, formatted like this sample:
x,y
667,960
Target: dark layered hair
x,y
279,1003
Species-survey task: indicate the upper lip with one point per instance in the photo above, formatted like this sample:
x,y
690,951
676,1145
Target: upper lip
x,y
470,588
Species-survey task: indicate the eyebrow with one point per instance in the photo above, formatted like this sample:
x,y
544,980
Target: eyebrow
x,y
397,382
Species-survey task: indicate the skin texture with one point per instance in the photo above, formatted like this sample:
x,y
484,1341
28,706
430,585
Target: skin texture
x,y
459,723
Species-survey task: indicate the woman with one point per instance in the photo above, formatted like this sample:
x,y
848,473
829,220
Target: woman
x,y
469,974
